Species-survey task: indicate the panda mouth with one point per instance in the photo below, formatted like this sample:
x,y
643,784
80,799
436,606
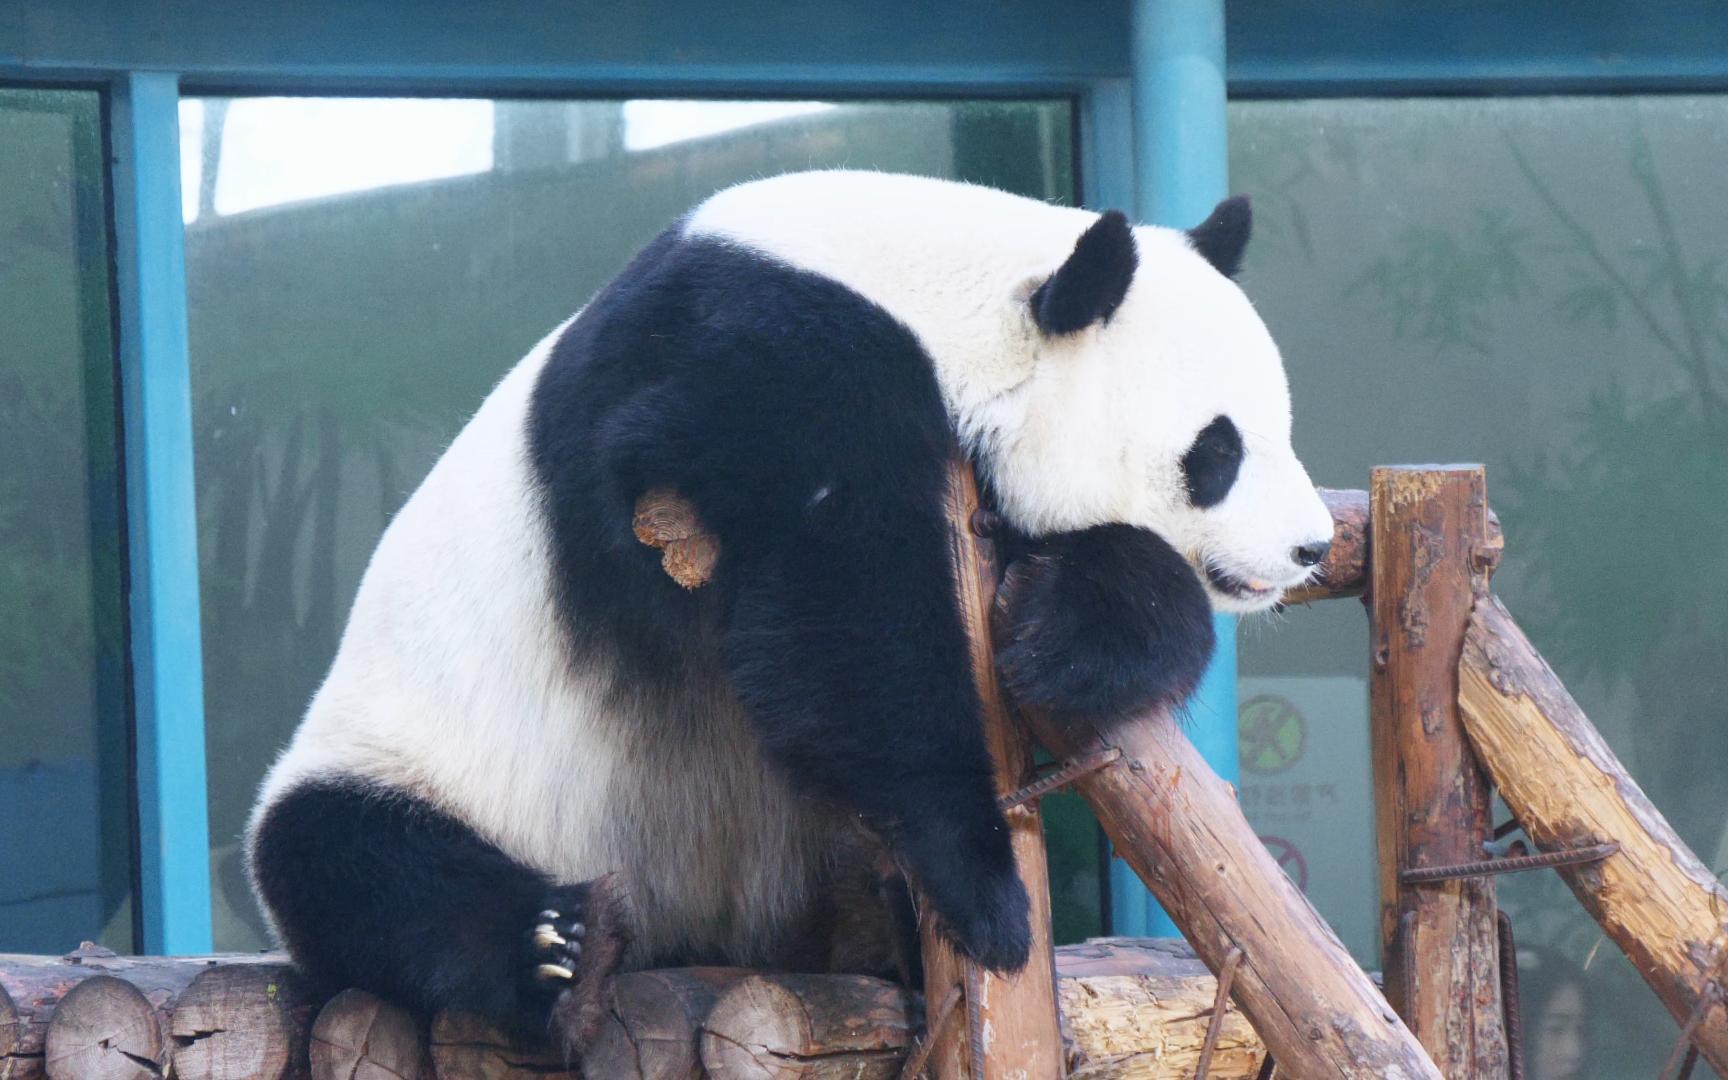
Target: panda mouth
x,y
1242,589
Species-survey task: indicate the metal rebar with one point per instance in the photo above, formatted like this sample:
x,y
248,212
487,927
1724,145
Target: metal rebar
x,y
1512,1009
921,1053
1569,857
1220,1005
1065,774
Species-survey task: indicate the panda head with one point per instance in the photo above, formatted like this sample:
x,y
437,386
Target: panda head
x,y
1154,396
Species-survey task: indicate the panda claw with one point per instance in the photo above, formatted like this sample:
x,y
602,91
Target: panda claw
x,y
548,916
546,938
554,973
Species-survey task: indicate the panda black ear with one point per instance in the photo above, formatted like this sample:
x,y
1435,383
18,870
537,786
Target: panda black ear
x,y
1089,287
1223,236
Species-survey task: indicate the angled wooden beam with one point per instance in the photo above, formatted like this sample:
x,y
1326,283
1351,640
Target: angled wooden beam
x,y
1664,909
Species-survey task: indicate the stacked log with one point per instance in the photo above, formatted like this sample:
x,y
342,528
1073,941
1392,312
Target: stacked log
x,y
1131,1009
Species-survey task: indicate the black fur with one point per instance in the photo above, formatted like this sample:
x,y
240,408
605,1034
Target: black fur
x,y
1223,236
375,889
1102,623
1091,284
1210,466
806,426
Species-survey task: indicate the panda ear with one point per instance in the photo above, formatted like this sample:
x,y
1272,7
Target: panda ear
x,y
1089,287
1223,236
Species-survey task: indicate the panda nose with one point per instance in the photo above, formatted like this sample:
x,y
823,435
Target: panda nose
x,y
1310,554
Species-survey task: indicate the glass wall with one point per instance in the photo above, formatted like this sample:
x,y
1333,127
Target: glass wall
x,y
1541,285
361,271
65,819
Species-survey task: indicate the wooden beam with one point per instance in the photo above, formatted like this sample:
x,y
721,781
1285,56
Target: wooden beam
x,y
1432,801
1179,826
1658,903
1010,1026
1345,571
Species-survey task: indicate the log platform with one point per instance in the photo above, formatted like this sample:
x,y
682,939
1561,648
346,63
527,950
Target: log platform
x,y
1132,1008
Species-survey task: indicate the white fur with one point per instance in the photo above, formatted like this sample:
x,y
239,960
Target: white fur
x,y
452,682
1078,430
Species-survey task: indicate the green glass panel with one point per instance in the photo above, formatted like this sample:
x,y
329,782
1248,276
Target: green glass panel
x,y
361,272
65,827
1539,284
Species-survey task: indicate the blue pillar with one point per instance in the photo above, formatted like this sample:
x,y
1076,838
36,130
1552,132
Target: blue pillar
x,y
161,522
1180,173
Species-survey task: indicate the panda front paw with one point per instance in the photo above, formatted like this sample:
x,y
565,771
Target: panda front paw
x,y
964,866
1103,623
576,943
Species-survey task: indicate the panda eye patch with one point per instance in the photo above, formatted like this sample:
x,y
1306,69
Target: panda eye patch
x,y
1209,467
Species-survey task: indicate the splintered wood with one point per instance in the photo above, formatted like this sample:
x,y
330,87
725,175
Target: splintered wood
x,y
665,521
1653,898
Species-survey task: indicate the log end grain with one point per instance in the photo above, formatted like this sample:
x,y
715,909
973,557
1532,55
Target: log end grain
x,y
780,1027
359,1036
237,1022
105,1029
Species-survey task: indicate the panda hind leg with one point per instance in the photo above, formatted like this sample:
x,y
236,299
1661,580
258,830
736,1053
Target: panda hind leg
x,y
372,888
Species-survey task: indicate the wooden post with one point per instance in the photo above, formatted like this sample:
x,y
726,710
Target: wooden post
x,y
1010,1026
1429,527
1653,897
1179,826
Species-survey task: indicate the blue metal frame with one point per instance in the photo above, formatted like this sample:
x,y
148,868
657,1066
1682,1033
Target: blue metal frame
x,y
161,521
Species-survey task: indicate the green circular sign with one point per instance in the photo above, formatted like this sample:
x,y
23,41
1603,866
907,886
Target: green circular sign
x,y
1271,734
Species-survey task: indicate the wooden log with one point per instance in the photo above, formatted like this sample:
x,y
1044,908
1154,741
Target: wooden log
x,y
1010,1024
105,1029
359,1036
1432,801
1344,572
32,987
654,1030
1653,898
1132,1008
1179,826
465,1047
244,1021
1137,1009
808,1027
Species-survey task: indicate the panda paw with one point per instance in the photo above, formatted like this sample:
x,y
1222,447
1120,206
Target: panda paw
x,y
577,942
1103,623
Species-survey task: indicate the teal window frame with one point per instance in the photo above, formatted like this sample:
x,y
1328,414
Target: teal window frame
x,y
1148,78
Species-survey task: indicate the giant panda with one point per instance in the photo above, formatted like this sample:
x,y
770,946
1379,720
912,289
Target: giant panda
x,y
537,760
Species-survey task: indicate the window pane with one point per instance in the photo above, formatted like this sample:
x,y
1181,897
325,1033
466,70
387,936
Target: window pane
x,y
65,828
362,271
1537,284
